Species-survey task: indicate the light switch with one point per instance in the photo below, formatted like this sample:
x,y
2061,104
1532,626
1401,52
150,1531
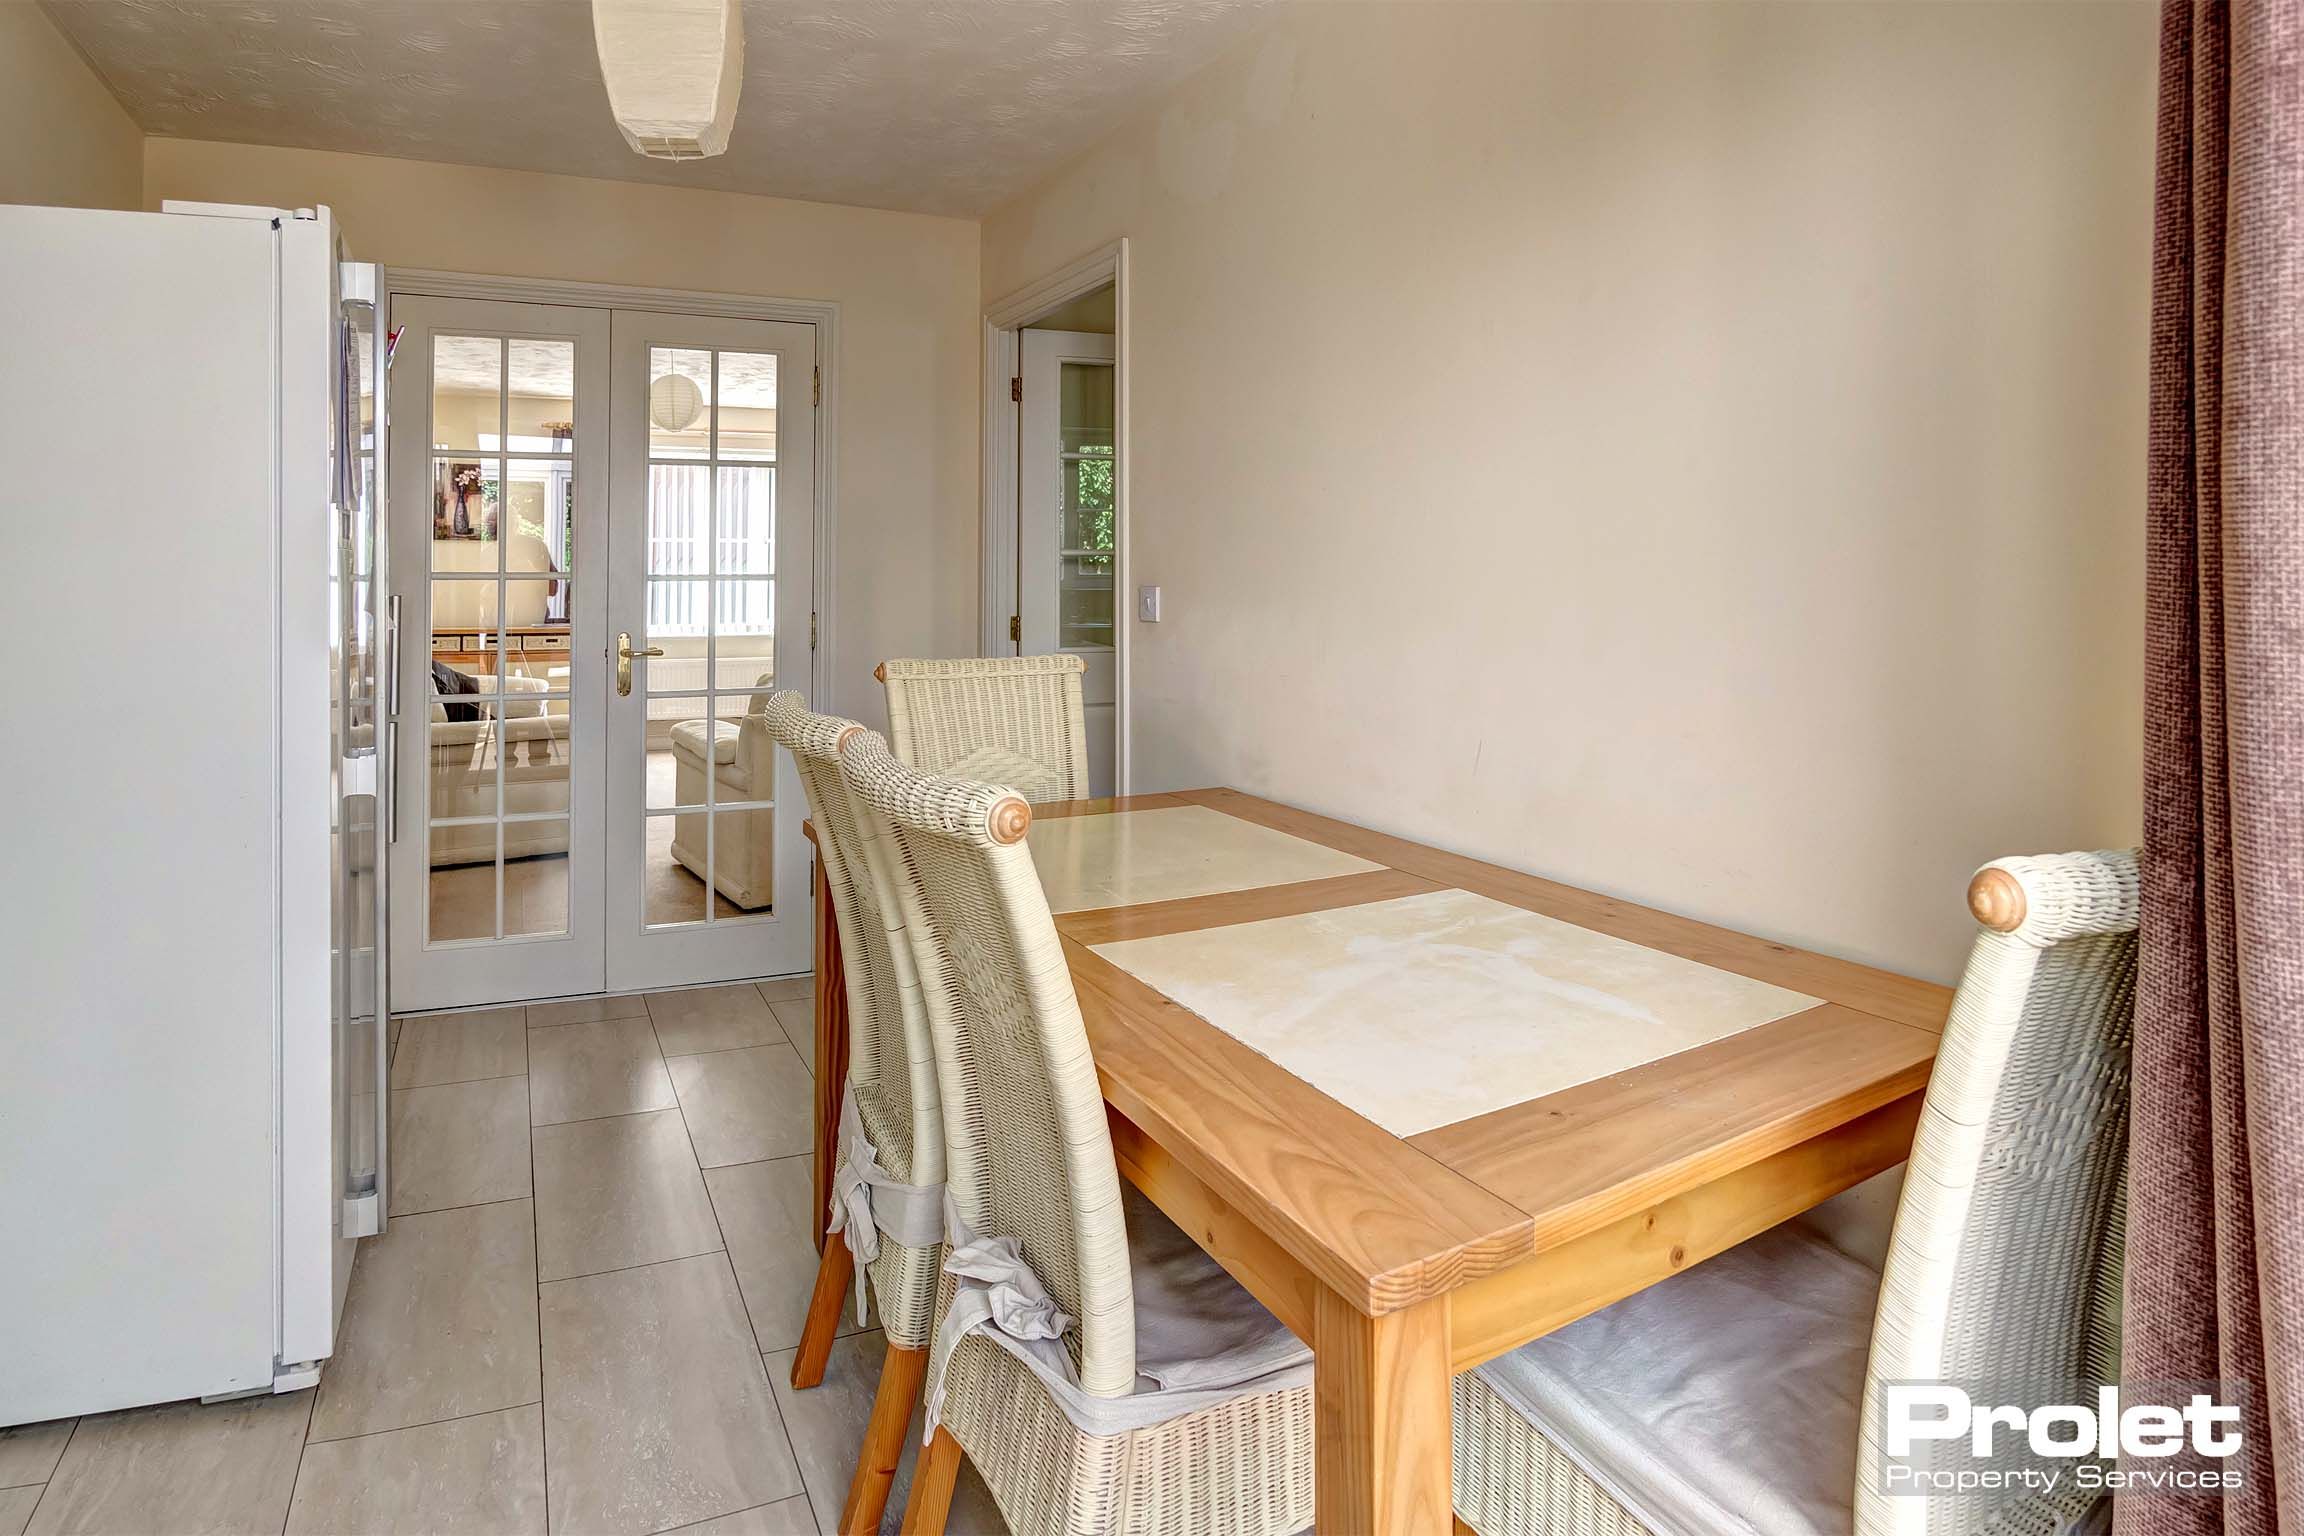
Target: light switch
x,y
1148,604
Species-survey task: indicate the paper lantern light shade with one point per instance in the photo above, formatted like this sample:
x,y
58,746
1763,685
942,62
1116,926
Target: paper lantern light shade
x,y
675,401
674,70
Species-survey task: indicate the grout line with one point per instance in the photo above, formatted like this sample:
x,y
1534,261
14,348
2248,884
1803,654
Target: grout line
x,y
622,1018
492,1077
625,1269
454,1418
536,1270
780,1038
48,1487
303,1444
722,1050
622,1114
473,1205
747,1509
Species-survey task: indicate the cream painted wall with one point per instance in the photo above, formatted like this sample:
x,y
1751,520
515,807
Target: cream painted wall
x,y
907,285
1692,451
63,139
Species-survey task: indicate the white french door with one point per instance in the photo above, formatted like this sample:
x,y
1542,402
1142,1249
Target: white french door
x,y
602,523
499,491
1065,505
712,465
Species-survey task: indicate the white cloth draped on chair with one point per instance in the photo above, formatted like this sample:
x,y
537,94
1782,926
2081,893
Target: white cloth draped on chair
x,y
1200,1339
868,1200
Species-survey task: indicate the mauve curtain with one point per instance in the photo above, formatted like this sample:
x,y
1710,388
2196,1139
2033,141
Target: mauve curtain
x,y
2215,1277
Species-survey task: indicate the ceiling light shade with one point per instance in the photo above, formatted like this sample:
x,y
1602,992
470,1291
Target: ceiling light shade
x,y
675,402
674,70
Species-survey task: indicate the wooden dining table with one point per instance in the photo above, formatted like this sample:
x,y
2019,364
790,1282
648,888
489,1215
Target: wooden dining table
x,y
1427,1109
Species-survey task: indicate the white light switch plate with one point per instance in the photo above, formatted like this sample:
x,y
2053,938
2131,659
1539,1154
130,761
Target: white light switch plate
x,y
1148,604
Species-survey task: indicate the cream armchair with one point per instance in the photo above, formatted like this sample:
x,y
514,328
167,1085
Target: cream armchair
x,y
743,762
463,775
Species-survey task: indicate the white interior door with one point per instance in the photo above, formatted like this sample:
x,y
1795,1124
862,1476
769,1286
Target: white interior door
x,y
499,487
1066,468
709,610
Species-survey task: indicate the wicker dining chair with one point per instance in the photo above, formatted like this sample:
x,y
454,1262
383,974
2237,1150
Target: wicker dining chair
x,y
1742,1393
892,1127
1122,1382
1013,720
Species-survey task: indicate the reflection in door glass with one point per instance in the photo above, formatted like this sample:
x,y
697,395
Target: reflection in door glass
x,y
710,538
498,760
467,392
679,403
540,409
745,407
1085,507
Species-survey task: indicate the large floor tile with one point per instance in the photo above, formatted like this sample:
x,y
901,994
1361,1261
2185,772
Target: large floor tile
x,y
186,1469
441,1323
712,1019
586,1010
619,1192
764,1213
787,987
478,1476
461,1047
743,1106
459,1144
28,1452
797,1018
585,1071
656,1414
17,1504
826,1424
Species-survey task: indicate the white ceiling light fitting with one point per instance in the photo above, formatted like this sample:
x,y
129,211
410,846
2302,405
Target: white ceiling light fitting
x,y
674,70
675,402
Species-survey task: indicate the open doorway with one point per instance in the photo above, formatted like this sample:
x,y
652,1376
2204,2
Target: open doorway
x,y
1055,545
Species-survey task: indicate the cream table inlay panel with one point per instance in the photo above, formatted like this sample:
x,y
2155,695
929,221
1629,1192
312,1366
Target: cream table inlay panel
x,y
1130,858
1427,1010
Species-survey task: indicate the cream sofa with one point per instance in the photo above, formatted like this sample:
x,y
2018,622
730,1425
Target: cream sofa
x,y
463,780
743,761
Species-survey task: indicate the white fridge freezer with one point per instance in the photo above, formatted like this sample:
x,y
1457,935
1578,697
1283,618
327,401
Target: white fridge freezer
x,y
192,1006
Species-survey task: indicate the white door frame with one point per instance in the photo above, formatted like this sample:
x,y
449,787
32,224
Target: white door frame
x,y
777,941
1003,357
824,314
530,965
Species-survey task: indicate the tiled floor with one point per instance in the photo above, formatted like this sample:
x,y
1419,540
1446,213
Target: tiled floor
x,y
581,1320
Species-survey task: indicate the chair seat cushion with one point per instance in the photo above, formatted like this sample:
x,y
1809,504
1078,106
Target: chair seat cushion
x,y
1720,1402
1034,780
688,736
1195,1325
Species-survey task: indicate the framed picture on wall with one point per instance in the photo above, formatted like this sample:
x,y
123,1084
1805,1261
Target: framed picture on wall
x,y
462,507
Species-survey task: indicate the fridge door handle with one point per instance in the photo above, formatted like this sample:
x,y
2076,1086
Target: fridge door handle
x,y
392,656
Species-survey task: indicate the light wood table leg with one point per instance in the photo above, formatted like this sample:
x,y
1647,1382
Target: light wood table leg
x,y
831,1052
1381,1425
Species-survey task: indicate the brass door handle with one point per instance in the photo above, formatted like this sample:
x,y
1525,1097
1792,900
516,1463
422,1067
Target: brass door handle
x,y
624,655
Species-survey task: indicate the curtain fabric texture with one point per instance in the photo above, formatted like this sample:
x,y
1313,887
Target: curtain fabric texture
x,y
2215,1268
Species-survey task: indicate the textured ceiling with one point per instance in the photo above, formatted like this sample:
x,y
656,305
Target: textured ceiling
x,y
937,106
475,365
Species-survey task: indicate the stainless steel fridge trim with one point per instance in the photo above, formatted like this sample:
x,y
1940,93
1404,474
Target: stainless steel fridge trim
x,y
387,740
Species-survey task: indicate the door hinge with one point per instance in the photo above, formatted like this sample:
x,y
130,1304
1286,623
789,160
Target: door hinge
x,y
811,631
819,399
1016,628
1016,388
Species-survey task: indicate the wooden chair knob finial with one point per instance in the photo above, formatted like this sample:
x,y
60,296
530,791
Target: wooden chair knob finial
x,y
1011,818
1996,898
